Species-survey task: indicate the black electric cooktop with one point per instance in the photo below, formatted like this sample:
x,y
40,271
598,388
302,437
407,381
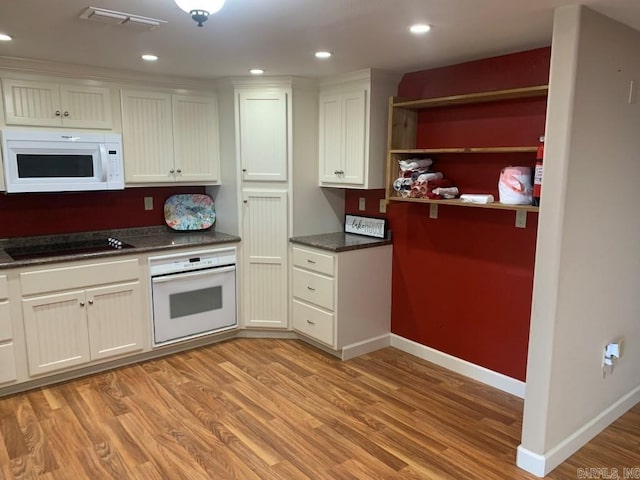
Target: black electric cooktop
x,y
69,248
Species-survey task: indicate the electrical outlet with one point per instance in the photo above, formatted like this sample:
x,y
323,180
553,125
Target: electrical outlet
x,y
433,210
521,219
362,205
383,205
148,203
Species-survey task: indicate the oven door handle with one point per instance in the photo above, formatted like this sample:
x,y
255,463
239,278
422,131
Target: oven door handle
x,y
199,273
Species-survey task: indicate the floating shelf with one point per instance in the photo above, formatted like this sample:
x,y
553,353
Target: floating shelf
x,y
469,98
460,203
423,151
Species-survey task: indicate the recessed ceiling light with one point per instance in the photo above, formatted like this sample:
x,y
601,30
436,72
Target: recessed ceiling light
x,y
5,38
419,28
323,54
256,71
147,57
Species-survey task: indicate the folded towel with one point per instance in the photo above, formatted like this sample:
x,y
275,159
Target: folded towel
x,y
446,192
414,163
476,198
428,177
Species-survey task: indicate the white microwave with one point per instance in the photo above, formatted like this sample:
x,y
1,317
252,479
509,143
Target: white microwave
x,y
45,161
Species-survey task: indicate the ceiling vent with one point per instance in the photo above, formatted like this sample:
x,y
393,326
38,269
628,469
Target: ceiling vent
x,y
121,18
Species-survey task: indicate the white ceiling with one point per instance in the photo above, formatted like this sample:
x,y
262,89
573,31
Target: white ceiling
x,y
282,35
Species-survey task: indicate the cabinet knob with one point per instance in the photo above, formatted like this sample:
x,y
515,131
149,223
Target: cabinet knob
x,y
179,170
310,322
244,170
57,113
172,171
66,114
90,302
82,304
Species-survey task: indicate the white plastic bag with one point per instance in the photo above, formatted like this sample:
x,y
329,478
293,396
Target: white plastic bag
x,y
515,186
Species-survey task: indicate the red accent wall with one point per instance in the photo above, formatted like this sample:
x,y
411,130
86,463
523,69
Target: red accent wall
x,y
25,214
462,283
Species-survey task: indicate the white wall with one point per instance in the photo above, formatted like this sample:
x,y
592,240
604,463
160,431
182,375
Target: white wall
x,y
588,253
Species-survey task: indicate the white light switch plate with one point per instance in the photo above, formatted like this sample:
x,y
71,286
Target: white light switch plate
x,y
148,203
383,205
362,204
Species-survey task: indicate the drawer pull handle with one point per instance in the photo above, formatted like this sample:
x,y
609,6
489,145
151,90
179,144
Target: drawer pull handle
x,y
82,304
311,261
311,288
310,322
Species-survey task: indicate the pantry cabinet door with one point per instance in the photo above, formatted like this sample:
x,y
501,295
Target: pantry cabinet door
x,y
114,315
56,331
262,135
147,137
265,266
195,138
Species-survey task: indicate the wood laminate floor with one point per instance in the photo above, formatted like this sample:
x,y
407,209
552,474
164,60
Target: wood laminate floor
x,y
279,409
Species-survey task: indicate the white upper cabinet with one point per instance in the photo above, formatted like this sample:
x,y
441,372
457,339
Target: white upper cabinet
x,y
147,136
262,126
352,129
169,138
195,138
47,104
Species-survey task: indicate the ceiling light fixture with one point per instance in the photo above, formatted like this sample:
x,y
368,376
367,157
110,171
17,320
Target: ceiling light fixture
x,y
323,54
419,28
256,71
148,57
200,9
5,38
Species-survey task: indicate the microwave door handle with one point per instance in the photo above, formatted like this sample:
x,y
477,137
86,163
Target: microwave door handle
x,y
199,273
104,161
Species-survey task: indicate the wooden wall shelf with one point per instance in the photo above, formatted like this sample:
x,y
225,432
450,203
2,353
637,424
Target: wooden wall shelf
x,y
459,203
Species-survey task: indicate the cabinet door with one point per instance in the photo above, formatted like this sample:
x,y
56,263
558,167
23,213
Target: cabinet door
x,y
31,103
330,137
147,137
7,363
354,141
55,331
114,318
264,272
86,107
195,138
263,135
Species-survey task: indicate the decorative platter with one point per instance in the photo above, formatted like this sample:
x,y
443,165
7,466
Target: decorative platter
x,y
189,212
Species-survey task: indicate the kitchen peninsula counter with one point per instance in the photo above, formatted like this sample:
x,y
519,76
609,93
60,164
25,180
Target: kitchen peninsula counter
x,y
142,239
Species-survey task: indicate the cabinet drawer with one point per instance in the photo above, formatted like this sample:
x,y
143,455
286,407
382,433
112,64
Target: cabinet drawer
x,y
317,262
313,288
313,322
6,332
7,363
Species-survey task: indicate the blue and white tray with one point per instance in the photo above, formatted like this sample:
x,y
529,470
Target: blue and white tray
x,y
189,212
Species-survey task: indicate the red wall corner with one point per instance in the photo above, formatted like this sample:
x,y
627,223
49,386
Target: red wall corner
x,y
462,283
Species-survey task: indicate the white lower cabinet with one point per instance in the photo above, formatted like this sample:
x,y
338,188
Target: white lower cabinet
x,y
76,325
7,348
342,300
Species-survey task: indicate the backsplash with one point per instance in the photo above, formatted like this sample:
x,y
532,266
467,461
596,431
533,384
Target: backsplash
x,y
28,214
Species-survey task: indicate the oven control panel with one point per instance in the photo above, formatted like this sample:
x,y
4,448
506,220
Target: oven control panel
x,y
191,261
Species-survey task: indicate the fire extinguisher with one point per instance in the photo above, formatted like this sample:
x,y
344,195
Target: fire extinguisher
x,y
537,175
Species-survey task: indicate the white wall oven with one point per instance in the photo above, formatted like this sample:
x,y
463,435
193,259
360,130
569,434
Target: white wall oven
x,y
193,294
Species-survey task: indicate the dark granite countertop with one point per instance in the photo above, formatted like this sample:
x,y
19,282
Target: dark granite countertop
x,y
143,239
340,241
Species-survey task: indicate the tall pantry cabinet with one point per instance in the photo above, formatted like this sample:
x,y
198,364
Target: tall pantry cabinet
x,y
268,189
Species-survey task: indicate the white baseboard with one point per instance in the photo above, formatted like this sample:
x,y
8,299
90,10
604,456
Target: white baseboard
x,y
366,346
468,369
540,465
